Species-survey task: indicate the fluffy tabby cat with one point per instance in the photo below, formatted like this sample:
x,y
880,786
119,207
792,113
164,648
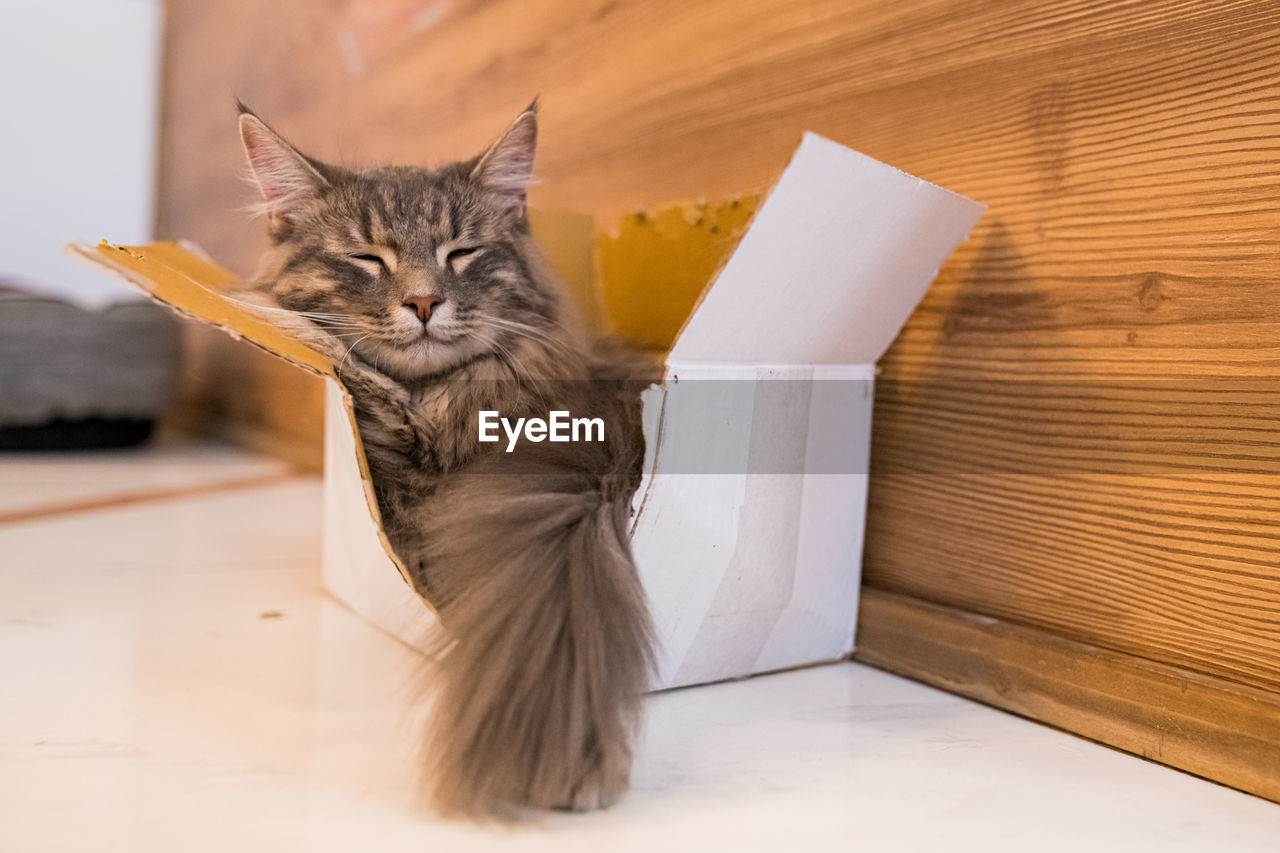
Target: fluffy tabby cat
x,y
426,288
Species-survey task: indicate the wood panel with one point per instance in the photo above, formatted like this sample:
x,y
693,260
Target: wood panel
x,y
1077,431
1074,433
1203,725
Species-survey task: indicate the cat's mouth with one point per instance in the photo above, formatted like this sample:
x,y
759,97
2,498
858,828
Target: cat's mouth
x,y
426,351
425,343
427,337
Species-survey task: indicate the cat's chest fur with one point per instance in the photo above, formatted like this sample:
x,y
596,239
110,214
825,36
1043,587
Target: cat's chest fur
x,y
415,433
424,430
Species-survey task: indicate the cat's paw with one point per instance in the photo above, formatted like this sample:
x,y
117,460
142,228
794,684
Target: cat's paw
x,y
601,787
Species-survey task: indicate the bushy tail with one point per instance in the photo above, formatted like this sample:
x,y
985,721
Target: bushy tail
x,y
546,645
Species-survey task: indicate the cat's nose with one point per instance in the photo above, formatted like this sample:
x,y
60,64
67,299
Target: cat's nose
x,y
423,305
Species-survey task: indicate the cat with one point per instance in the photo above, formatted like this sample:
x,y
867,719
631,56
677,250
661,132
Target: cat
x,y
427,290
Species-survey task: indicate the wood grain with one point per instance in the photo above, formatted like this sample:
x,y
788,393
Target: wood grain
x,y
1076,430
1203,725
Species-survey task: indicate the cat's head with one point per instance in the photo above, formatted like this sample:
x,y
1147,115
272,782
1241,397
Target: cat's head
x,y
416,270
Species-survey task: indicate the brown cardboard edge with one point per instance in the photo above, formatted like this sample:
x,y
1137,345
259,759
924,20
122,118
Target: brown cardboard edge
x,y
371,497
100,256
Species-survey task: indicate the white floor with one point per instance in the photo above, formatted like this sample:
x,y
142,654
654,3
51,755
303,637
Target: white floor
x,y
173,678
40,483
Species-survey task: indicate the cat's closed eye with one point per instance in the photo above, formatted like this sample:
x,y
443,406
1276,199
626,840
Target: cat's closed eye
x,y
377,262
456,258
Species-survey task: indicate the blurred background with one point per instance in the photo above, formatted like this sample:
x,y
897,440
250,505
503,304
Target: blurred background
x,y
1074,447
84,362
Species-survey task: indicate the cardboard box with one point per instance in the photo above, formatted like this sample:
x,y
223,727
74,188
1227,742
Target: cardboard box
x,y
748,527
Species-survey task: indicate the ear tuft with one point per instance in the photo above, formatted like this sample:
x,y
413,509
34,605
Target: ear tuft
x,y
286,179
506,168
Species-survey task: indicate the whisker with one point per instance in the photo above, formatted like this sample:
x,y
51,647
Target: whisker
x,y
342,363
531,333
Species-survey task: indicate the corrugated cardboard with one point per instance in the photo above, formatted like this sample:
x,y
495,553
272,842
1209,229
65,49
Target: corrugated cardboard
x,y
753,562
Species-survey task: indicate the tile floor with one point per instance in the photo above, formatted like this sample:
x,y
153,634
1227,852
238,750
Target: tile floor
x,y
172,677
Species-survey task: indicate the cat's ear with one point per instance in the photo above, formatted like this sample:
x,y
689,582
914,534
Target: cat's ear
x,y
288,180
506,168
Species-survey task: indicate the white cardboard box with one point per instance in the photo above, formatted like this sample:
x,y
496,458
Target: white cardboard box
x,y
750,564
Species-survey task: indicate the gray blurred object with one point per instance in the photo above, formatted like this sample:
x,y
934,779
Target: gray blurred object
x,y
75,377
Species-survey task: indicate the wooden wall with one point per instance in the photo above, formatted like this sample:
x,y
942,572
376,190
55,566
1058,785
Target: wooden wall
x,y
1076,473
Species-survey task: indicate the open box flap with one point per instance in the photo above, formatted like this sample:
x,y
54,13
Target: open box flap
x,y
834,262
179,278
183,279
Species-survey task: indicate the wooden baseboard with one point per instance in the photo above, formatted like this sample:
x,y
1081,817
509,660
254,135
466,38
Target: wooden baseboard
x,y
1207,726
